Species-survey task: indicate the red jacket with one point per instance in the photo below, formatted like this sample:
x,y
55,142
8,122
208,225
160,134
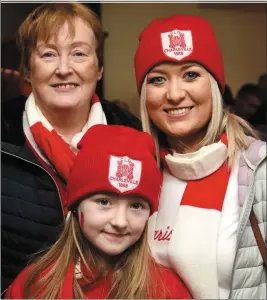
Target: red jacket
x,y
174,286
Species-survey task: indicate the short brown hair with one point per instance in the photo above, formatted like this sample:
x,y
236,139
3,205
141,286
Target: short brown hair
x,y
46,20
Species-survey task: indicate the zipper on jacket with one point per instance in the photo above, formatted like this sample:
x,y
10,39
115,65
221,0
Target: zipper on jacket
x,y
45,172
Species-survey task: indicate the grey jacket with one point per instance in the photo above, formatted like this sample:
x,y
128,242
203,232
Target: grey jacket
x,y
249,275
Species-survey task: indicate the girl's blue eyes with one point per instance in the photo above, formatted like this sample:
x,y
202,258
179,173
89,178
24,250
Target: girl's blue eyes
x,y
103,202
137,206
106,202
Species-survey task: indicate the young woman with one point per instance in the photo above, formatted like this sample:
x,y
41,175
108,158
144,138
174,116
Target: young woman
x,y
62,57
214,166
103,251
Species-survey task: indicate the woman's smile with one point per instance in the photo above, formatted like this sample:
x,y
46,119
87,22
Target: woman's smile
x,y
178,112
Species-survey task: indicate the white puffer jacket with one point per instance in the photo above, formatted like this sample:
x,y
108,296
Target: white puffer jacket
x,y
249,275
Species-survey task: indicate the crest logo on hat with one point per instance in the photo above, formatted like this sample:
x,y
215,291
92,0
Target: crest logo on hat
x,y
177,43
124,173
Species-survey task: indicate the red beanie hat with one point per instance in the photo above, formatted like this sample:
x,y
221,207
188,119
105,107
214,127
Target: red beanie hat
x,y
179,38
115,159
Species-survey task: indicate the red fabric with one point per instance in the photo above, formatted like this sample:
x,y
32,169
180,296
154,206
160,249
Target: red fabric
x,y
208,192
16,289
54,148
206,50
91,171
175,288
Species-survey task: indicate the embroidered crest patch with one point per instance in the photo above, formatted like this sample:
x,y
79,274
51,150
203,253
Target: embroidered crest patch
x,y
124,173
177,43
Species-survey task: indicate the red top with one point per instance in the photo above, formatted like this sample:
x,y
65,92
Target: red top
x,y
175,288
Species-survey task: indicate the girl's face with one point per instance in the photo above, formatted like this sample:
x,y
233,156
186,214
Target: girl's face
x,y
179,101
112,223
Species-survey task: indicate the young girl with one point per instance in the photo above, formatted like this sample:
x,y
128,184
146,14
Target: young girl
x,y
113,188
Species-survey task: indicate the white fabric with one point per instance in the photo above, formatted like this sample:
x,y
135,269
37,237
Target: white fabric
x,y
165,219
78,270
96,116
199,164
192,250
227,242
249,275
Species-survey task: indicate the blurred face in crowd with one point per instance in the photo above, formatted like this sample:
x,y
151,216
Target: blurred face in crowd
x,y
247,106
263,86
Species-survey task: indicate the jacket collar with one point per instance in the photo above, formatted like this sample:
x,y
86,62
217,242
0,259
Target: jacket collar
x,y
255,153
22,151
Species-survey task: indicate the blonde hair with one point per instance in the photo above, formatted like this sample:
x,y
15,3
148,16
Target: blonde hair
x,y
46,20
221,121
132,278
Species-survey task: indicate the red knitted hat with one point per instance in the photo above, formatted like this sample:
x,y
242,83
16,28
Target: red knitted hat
x,y
116,159
179,38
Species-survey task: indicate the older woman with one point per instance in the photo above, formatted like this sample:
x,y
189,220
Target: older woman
x,y
62,46
214,170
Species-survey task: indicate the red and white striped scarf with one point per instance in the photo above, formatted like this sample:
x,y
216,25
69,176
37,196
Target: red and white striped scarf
x,y
48,144
183,234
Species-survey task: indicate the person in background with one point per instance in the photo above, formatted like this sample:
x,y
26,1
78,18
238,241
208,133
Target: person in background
x,y
261,116
214,167
122,104
61,49
12,83
248,102
250,105
103,251
228,99
262,82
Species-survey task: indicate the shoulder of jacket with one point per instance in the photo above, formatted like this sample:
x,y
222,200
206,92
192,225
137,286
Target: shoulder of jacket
x,y
20,151
255,153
